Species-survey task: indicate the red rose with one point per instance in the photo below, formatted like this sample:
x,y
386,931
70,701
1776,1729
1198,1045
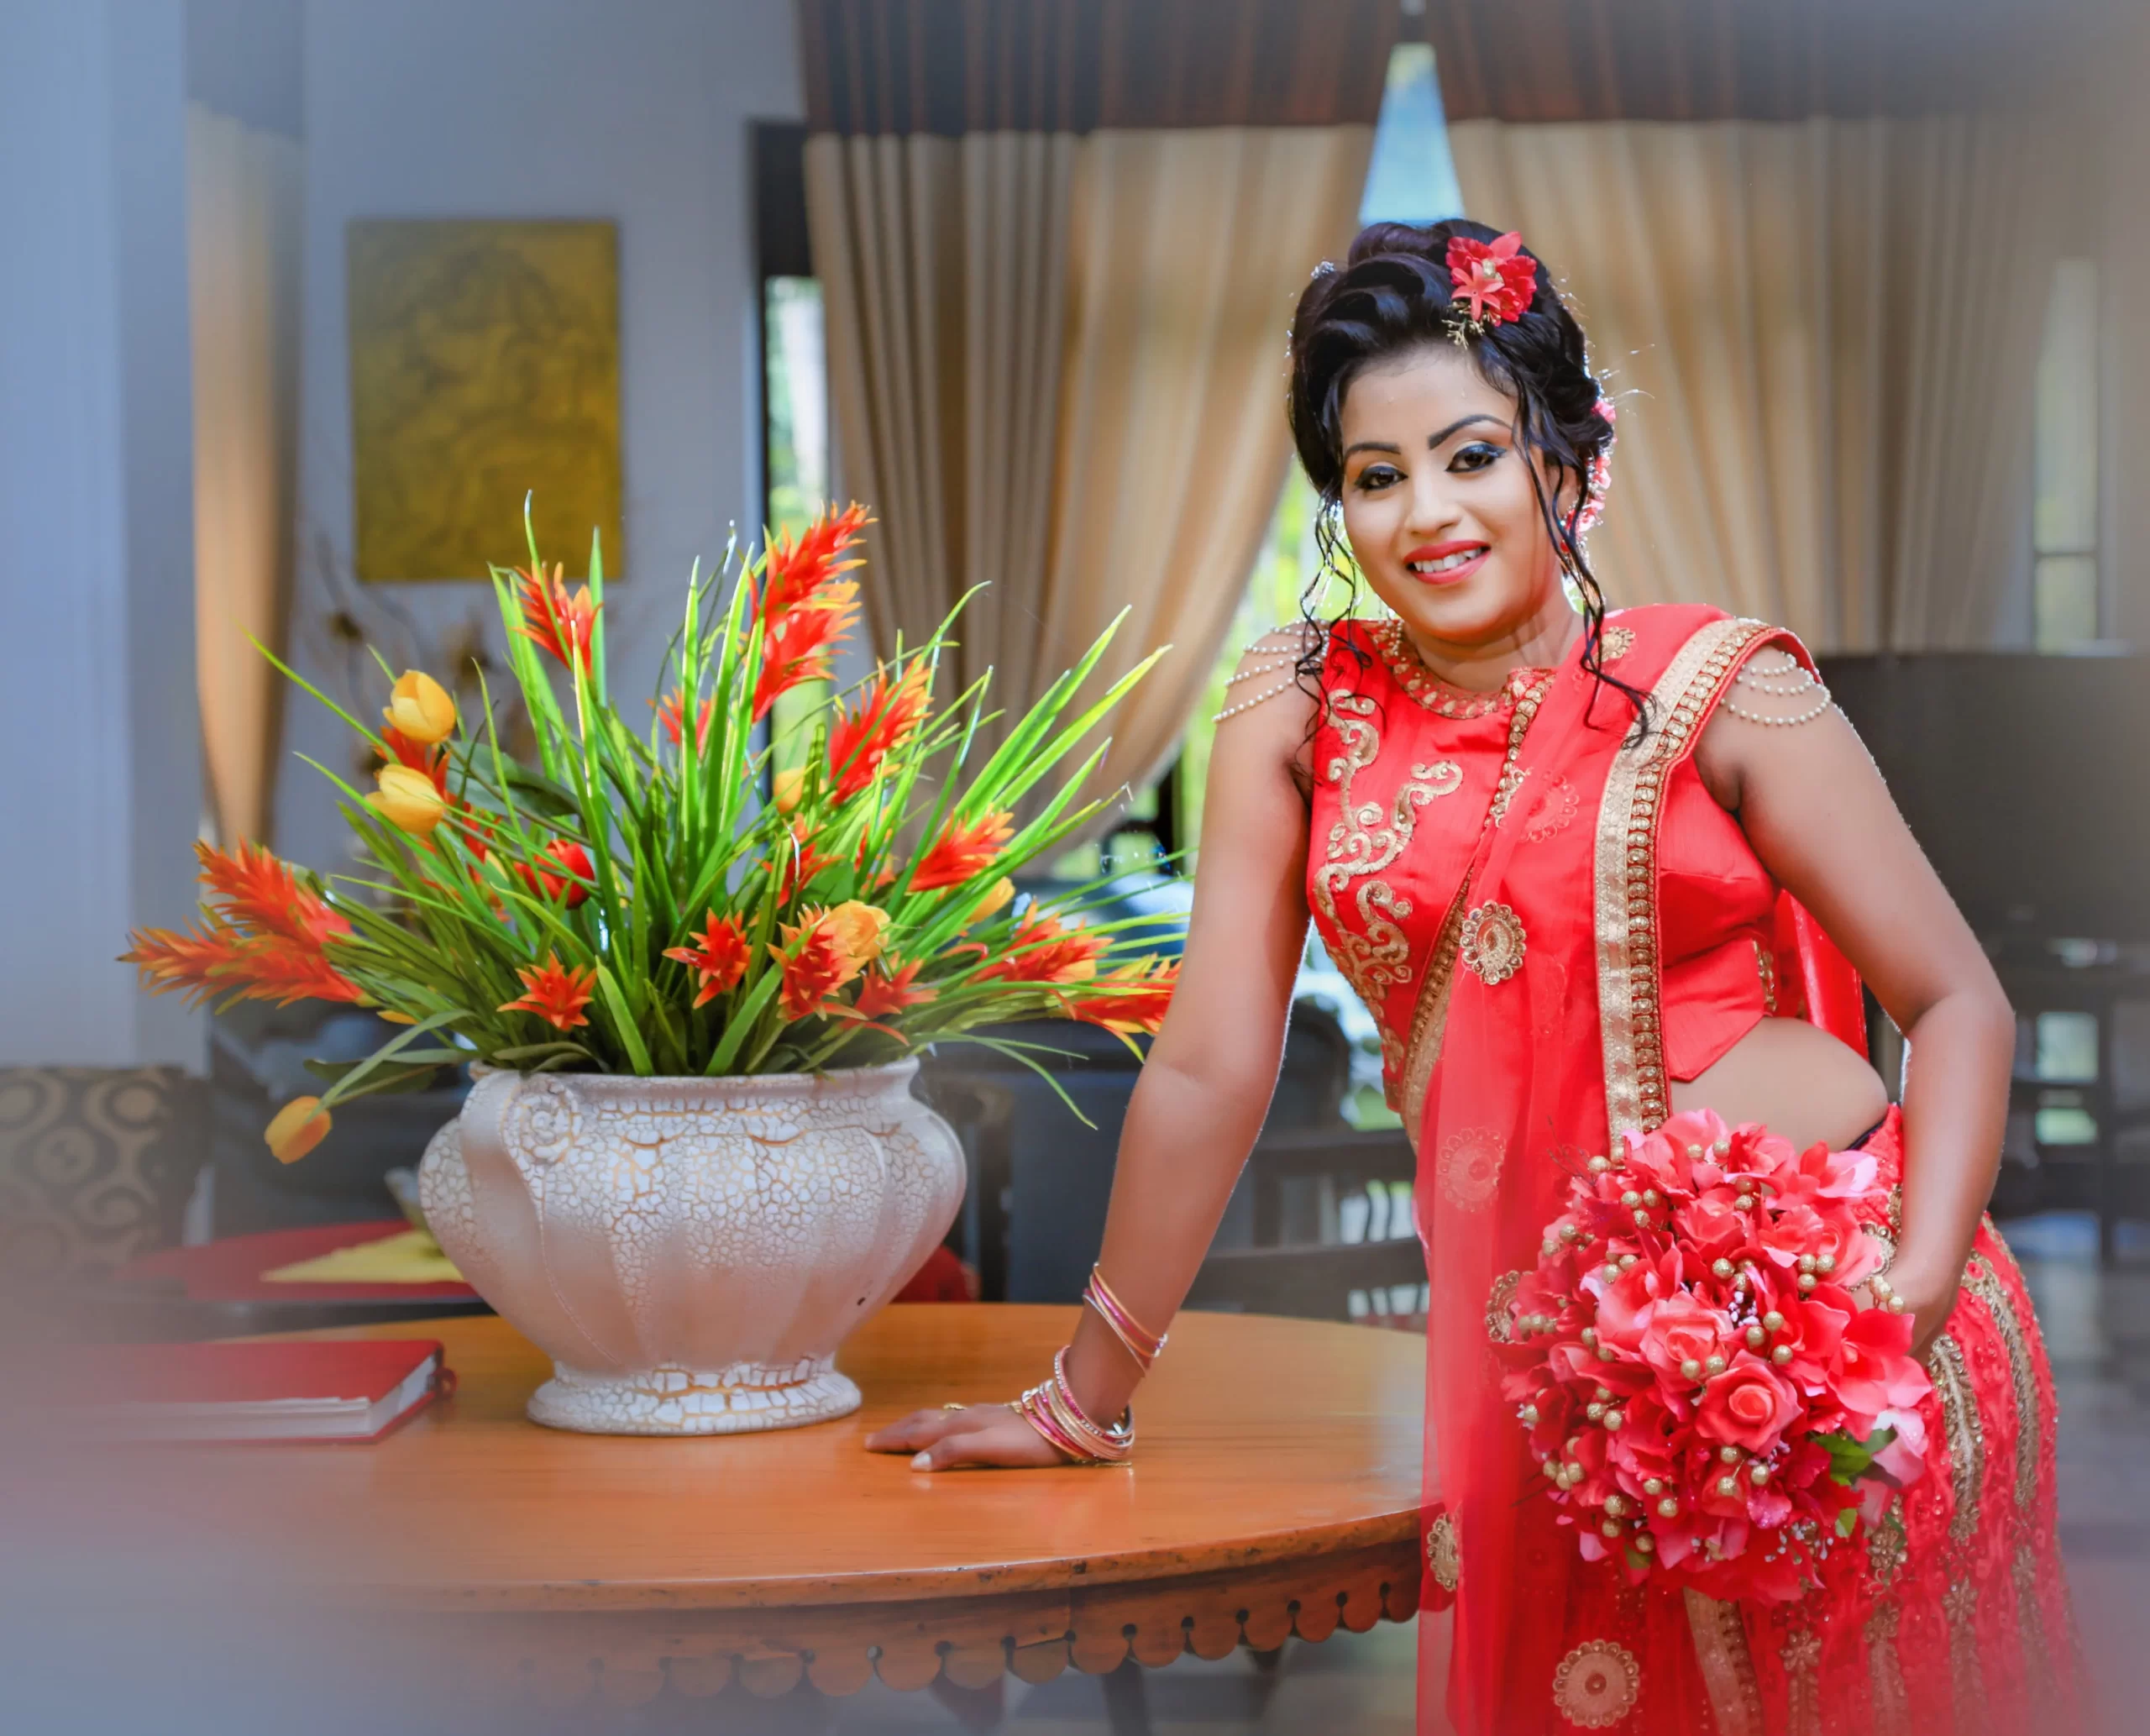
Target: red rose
x,y
1681,1329
1749,1405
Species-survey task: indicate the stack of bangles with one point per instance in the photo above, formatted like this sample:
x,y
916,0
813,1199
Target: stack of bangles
x,y
1050,1407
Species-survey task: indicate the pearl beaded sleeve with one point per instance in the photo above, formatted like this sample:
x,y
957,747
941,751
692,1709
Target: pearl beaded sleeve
x,y
1272,662
1786,692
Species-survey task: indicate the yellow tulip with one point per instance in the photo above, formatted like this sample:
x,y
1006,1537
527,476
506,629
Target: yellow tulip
x,y
420,709
299,1126
408,797
789,785
996,899
859,929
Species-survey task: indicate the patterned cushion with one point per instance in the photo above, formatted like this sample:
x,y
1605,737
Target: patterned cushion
x,y
96,1164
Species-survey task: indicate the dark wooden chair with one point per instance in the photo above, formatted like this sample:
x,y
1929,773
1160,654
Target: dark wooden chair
x,y
1333,1237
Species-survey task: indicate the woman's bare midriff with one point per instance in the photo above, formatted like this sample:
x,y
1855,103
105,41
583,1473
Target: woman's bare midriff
x,y
1794,1078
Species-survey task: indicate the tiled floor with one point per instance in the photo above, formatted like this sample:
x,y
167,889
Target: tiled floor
x,y
2097,1327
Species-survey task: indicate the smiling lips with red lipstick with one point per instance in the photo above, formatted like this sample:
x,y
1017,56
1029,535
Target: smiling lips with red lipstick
x,y
1445,563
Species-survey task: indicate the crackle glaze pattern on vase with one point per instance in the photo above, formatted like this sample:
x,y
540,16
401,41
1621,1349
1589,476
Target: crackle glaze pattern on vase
x,y
691,1252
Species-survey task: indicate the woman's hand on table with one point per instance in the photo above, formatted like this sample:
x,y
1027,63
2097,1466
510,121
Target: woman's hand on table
x,y
985,1436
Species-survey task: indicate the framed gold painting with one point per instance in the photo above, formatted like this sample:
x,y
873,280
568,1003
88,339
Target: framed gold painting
x,y
485,366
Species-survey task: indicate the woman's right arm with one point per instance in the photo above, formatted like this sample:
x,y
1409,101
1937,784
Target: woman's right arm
x,y
1206,1085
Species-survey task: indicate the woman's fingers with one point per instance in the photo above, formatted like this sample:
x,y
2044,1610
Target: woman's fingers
x,y
1007,1443
920,1429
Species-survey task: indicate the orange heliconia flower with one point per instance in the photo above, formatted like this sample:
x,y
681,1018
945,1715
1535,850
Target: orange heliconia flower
x,y
805,606
800,566
257,889
796,648
554,994
801,862
964,849
718,956
673,710
1142,993
879,995
888,713
264,937
1045,950
553,620
815,965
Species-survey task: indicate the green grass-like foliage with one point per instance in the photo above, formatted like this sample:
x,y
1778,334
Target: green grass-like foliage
x,y
871,918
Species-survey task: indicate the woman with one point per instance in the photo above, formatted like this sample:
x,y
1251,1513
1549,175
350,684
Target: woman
x,y
1567,861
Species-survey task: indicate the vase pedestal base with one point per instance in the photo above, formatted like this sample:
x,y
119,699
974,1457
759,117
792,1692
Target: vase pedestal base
x,y
744,1399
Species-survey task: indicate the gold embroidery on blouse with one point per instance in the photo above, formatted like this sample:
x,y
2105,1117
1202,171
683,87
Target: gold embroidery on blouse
x,y
1617,642
1727,1665
1965,1431
1888,1545
2031,1622
1960,1604
1493,944
1362,843
1444,1552
1429,1015
1765,965
1885,1670
1801,1656
1596,1685
1443,698
1500,1314
1980,1279
1628,990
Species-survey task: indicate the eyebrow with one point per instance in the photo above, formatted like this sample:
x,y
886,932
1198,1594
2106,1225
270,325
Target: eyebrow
x,y
1435,441
1463,422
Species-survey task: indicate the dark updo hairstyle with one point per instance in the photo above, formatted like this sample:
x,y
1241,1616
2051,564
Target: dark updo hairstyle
x,y
1392,295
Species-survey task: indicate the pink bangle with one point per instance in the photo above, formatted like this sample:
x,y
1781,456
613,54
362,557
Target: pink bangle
x,y
1142,1346
1050,1407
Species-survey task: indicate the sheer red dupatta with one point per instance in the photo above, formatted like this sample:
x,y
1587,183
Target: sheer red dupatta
x,y
1514,1079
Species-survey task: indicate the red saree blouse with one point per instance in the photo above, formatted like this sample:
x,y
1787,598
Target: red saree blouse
x,y
1550,920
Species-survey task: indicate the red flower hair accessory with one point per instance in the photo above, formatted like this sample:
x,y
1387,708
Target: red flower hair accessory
x,y
1496,277
1601,469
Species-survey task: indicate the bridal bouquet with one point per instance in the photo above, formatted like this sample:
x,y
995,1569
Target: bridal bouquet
x,y
1705,1395
656,897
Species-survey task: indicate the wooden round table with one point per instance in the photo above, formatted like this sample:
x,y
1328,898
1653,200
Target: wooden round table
x,y
1275,1492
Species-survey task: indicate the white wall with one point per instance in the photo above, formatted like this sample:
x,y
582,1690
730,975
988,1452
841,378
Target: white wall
x,y
631,110
100,784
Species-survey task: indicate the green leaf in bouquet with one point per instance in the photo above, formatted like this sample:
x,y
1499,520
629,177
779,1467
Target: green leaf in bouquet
x,y
1850,1457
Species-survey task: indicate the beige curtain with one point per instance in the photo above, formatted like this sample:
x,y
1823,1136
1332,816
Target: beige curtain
x,y
1056,365
1823,337
244,215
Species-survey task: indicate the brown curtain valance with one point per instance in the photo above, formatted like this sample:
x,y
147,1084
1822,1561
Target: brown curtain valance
x,y
956,66
1548,61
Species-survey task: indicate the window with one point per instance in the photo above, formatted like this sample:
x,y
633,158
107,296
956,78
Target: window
x,y
1410,179
796,452
2066,591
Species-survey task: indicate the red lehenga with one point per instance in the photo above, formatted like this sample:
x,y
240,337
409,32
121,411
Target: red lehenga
x,y
1487,871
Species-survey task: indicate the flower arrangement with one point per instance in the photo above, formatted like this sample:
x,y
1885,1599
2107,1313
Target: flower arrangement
x,y
1706,1395
631,903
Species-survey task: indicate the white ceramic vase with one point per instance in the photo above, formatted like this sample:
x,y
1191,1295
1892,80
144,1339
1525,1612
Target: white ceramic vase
x,y
691,1252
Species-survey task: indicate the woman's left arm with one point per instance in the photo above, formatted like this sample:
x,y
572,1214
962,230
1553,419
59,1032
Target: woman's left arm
x,y
1814,806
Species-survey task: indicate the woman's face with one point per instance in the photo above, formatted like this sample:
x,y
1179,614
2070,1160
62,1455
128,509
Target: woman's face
x,y
1439,504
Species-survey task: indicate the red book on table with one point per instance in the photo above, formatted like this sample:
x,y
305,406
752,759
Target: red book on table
x,y
300,1389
